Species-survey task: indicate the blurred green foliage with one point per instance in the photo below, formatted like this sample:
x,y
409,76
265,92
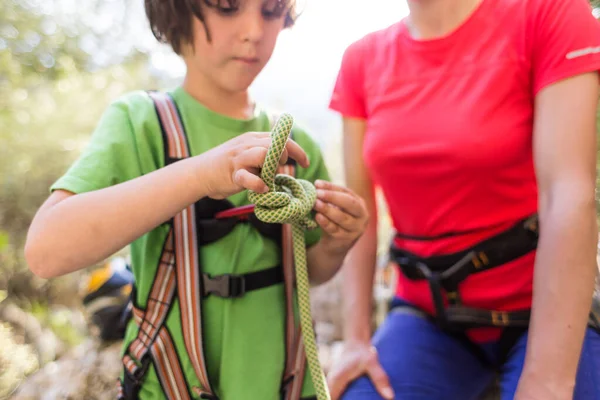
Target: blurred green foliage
x,y
51,95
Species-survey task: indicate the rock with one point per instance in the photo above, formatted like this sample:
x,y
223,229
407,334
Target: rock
x,y
87,372
326,303
45,344
17,359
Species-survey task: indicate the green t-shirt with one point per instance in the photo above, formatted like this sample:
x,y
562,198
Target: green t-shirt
x,y
244,337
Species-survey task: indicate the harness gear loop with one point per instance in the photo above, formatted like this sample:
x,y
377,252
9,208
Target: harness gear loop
x,y
289,201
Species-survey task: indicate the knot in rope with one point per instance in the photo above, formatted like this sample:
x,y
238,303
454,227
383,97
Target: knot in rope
x,y
289,200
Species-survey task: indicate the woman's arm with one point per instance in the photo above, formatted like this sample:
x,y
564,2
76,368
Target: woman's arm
x,y
359,269
358,356
565,162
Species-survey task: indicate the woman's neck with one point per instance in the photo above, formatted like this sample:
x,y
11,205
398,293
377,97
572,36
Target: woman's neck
x,y
231,104
430,19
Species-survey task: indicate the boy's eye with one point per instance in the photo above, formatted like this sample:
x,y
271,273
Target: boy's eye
x,y
275,8
272,9
224,7
228,11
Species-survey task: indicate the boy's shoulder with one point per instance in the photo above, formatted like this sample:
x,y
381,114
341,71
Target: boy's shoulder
x,y
136,110
136,100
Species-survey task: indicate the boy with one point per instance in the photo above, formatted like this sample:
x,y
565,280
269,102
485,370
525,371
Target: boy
x,y
128,188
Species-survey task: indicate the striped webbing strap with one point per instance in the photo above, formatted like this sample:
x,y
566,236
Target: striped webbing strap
x,y
179,271
295,363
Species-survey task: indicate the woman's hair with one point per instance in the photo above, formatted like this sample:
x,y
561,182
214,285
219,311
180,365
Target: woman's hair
x,y
171,21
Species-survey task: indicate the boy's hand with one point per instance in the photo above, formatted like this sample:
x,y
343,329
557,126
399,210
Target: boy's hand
x,y
235,165
341,214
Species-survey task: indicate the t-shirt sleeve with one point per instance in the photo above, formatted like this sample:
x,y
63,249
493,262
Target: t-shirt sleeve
x,y
109,158
348,93
566,40
315,171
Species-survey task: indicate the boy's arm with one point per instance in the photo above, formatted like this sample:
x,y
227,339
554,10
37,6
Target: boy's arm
x,y
359,357
71,232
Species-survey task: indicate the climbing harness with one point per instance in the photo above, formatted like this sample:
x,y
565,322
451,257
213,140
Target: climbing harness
x,y
280,214
444,274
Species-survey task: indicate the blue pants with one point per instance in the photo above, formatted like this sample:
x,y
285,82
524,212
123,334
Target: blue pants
x,y
422,362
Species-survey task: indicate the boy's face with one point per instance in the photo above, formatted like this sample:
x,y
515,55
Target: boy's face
x,y
241,43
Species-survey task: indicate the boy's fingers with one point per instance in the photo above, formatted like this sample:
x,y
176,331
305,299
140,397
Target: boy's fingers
x,y
334,214
321,184
284,157
328,225
297,153
291,150
247,165
346,201
253,157
248,180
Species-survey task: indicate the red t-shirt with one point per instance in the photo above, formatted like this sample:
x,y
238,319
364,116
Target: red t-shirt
x,y
449,128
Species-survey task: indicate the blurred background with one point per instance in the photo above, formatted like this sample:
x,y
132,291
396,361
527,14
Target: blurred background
x,y
61,63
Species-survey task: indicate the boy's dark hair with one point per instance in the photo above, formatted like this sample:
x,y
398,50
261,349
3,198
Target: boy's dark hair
x,y
171,20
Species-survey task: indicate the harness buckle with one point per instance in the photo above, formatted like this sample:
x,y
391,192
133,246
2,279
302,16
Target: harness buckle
x,y
500,318
225,286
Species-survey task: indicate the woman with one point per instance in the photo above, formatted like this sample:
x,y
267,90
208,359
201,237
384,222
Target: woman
x,y
476,119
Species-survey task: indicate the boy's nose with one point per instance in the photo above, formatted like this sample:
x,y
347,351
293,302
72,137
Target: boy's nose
x,y
252,27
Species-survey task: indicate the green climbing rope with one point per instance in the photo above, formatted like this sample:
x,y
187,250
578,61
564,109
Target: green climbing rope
x,y
290,200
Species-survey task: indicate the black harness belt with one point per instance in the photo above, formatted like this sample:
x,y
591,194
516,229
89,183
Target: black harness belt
x,y
230,286
444,273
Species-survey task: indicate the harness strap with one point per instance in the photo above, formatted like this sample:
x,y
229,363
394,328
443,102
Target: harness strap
x,y
230,286
298,373
445,273
468,317
154,343
295,357
507,341
186,249
511,244
166,362
215,219
178,270
159,301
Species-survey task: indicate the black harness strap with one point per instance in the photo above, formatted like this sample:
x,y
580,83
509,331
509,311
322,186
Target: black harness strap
x,y
231,286
211,229
444,274
468,317
453,268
